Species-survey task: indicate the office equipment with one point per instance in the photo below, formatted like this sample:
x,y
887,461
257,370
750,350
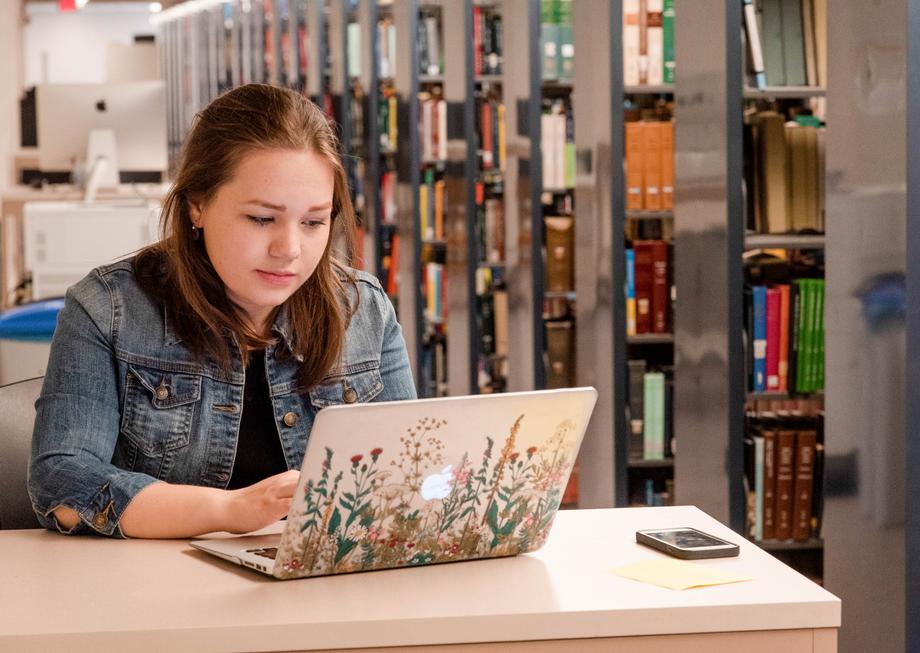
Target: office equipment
x,y
135,113
63,241
407,483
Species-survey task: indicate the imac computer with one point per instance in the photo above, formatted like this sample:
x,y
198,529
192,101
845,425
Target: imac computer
x,y
105,129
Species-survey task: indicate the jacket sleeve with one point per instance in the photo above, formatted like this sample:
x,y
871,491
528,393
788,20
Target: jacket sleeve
x,y
77,419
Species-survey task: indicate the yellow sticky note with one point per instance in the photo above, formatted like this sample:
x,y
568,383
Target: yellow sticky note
x,y
677,574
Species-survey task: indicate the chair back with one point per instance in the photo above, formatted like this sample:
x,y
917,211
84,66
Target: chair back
x,y
17,417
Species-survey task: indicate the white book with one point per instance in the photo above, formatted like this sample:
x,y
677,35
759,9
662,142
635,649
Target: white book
x,y
546,148
754,45
631,42
655,39
559,151
434,45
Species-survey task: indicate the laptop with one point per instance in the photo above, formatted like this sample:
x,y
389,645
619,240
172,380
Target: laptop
x,y
425,481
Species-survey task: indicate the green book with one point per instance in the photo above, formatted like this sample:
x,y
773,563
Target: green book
x,y
820,375
549,39
811,371
802,337
667,20
566,46
772,42
793,44
354,50
653,422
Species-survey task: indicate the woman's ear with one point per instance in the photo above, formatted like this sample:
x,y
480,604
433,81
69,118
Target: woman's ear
x,y
194,211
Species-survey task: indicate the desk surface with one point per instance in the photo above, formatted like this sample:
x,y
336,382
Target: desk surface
x,y
75,594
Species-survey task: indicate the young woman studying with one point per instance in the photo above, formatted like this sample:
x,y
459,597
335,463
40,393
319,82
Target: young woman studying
x,y
183,382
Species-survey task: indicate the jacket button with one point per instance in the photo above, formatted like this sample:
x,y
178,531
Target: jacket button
x,y
350,396
100,520
162,392
290,419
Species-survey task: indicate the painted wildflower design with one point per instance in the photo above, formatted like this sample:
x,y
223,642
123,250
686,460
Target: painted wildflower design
x,y
408,507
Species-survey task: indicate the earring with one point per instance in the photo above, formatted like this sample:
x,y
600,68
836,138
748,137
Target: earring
x,y
196,232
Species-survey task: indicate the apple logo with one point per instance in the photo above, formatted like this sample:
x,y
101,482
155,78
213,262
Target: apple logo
x,y
437,486
100,106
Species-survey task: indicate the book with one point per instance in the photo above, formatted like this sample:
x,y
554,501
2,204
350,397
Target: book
x,y
631,42
634,166
667,165
651,164
774,167
644,277
773,339
667,24
653,416
805,443
560,350
793,43
785,480
783,363
660,287
636,405
655,42
630,292
760,338
769,484
755,49
560,245
772,42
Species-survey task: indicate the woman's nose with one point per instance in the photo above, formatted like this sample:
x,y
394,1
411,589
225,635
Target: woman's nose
x,y
285,243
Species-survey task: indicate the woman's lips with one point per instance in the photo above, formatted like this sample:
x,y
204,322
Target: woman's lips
x,y
276,278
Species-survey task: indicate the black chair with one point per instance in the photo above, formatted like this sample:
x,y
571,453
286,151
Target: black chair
x,y
17,416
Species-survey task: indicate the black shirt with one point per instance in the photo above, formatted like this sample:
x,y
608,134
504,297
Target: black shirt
x,y
258,450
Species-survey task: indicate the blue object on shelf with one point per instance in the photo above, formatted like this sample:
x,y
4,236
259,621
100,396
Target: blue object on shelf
x,y
33,322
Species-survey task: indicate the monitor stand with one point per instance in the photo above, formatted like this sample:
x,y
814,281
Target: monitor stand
x,y
102,162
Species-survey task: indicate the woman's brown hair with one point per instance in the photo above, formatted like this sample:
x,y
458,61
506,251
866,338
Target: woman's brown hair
x,y
251,118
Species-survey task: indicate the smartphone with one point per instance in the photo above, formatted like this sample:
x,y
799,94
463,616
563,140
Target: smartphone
x,y
687,543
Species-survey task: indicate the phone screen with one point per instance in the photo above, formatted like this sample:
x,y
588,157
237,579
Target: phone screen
x,y
686,538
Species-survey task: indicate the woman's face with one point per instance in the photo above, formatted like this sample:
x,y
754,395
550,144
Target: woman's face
x,y
266,229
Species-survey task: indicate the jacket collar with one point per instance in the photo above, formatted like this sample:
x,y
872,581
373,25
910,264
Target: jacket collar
x,y
280,327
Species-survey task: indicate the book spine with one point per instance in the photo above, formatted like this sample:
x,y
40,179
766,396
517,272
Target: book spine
x,y
667,165
644,280
773,338
660,287
655,39
634,166
752,29
636,373
758,486
668,16
630,292
760,338
785,480
783,366
804,482
654,416
769,485
631,42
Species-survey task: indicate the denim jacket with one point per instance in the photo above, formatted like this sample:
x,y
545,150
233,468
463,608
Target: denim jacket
x,y
125,403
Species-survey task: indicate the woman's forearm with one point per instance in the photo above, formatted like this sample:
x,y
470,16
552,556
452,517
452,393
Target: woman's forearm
x,y
164,510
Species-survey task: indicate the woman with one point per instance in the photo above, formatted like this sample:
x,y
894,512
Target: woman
x,y
183,383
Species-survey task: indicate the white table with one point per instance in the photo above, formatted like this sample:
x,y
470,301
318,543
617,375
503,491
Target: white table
x,y
90,594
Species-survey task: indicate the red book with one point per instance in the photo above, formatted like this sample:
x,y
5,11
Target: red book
x,y
660,287
394,266
644,275
477,40
773,338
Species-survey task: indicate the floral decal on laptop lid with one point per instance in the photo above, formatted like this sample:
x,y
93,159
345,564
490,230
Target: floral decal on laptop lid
x,y
382,509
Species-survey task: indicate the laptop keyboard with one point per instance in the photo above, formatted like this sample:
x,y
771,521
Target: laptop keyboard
x,y
268,552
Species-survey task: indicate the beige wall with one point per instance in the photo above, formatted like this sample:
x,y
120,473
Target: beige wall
x,y
10,85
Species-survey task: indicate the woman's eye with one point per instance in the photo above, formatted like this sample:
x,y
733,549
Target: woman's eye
x,y
259,220
314,224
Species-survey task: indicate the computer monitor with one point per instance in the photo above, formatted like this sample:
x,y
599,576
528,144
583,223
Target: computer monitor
x,y
134,111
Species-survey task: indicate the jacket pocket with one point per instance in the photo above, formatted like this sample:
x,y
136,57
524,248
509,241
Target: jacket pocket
x,y
159,408
358,383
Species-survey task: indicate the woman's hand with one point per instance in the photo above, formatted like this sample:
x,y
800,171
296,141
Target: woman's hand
x,y
263,503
